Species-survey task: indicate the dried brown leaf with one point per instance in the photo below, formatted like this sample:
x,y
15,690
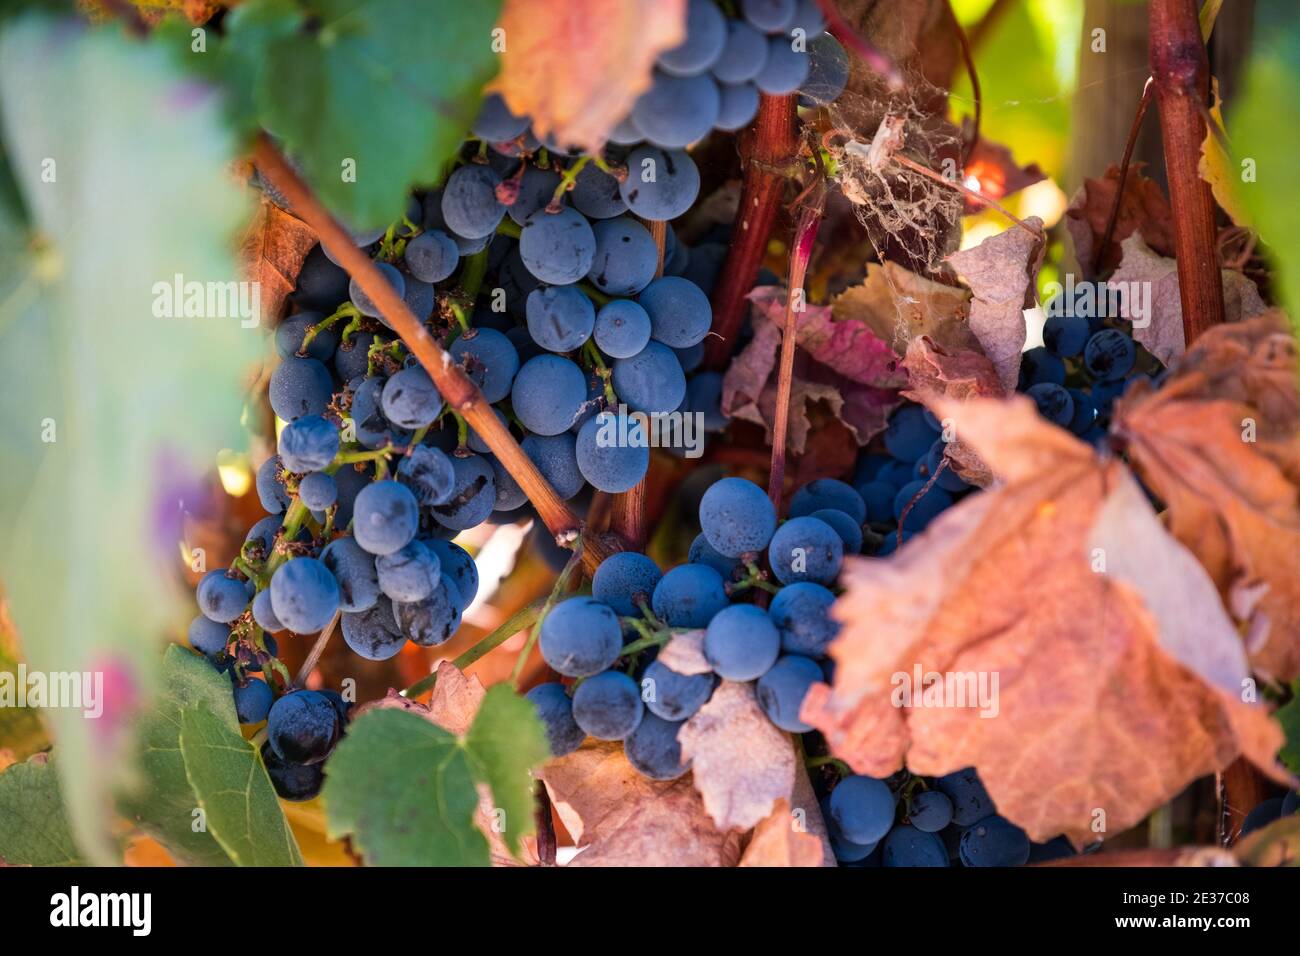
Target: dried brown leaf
x,y
684,654
1143,209
778,841
271,253
899,306
998,173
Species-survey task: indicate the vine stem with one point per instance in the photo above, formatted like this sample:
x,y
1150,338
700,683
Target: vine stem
x,y
524,617
1143,105
317,649
458,391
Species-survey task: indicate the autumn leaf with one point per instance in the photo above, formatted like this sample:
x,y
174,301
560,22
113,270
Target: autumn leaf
x,y
793,834
1129,641
1218,444
684,654
1215,166
1143,208
998,173
577,66
271,253
899,305
1002,272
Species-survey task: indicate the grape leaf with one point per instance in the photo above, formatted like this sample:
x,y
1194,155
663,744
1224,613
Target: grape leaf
x,y
577,66
504,743
899,305
240,806
1061,584
33,824
1216,166
272,252
1143,208
778,841
115,409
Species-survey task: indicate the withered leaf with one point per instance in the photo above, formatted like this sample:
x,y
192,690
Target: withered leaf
x,y
684,654
899,305
1143,208
271,253
778,841
998,173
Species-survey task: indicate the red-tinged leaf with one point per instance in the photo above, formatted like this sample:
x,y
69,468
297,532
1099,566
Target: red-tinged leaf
x,y
271,253
899,305
778,841
998,174
1143,209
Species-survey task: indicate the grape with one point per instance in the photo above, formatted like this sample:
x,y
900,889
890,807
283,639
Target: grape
x,y
626,133
737,105
828,493
679,312
1058,848
1054,403
321,284
947,479
361,238
828,71
930,811
650,381
613,452
535,191
367,305
509,496
420,297
580,637
317,490
850,531
410,573
1085,412
624,578
208,636
705,265
351,358
469,201
608,706
625,260
252,701
595,194
908,846
925,509
786,69
862,808
385,517
770,16
1109,355
556,457
290,333
222,598
661,184
782,689
802,615
846,851
429,474
674,696
654,750
908,436
689,595
1039,365
704,397
742,642
473,494
302,727
372,428
701,552
1261,816
261,536
271,491
373,633
292,781
410,399
432,256
560,318
677,110
1291,803
994,841
354,570
489,359
555,710
300,387
495,123
622,328
433,620
1065,335
460,567
737,517
263,613
805,549
557,248
308,444
743,53
970,801
706,33
304,595
808,17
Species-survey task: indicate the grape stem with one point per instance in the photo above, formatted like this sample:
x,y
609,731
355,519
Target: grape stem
x,y
317,649
347,308
524,617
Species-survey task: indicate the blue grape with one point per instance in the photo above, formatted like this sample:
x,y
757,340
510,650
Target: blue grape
x,y
208,636
612,451
674,696
930,811
428,472
302,727
1054,403
808,17
737,517
925,509
654,750
704,397
690,357
970,801
1261,816
608,706
1039,365
557,248
625,259
850,531
626,133
300,387
679,312
252,701
290,333
741,643
536,189
701,552
706,33
371,426
782,689
624,578
595,194
458,565
908,846
1291,803
828,71
271,491
689,595
556,457
366,304
473,495
410,573
805,549
1109,355
947,479
222,598
743,53
580,637
1057,848
879,498
354,570
1085,412
304,595
317,490
293,782
469,201
786,69
705,265
1065,335
650,381
495,123
385,517
264,613
410,399
908,436
351,358
432,256
308,444
802,615
869,467
322,285
677,110
361,238
828,493
433,620
737,106
994,841
373,633
560,318
845,850
262,536
770,16
622,328
489,359
862,808
549,392
509,496
661,184
555,710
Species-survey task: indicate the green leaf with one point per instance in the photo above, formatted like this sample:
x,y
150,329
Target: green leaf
x,y
1288,716
388,87
402,789
163,804
238,800
112,414
33,825
505,742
